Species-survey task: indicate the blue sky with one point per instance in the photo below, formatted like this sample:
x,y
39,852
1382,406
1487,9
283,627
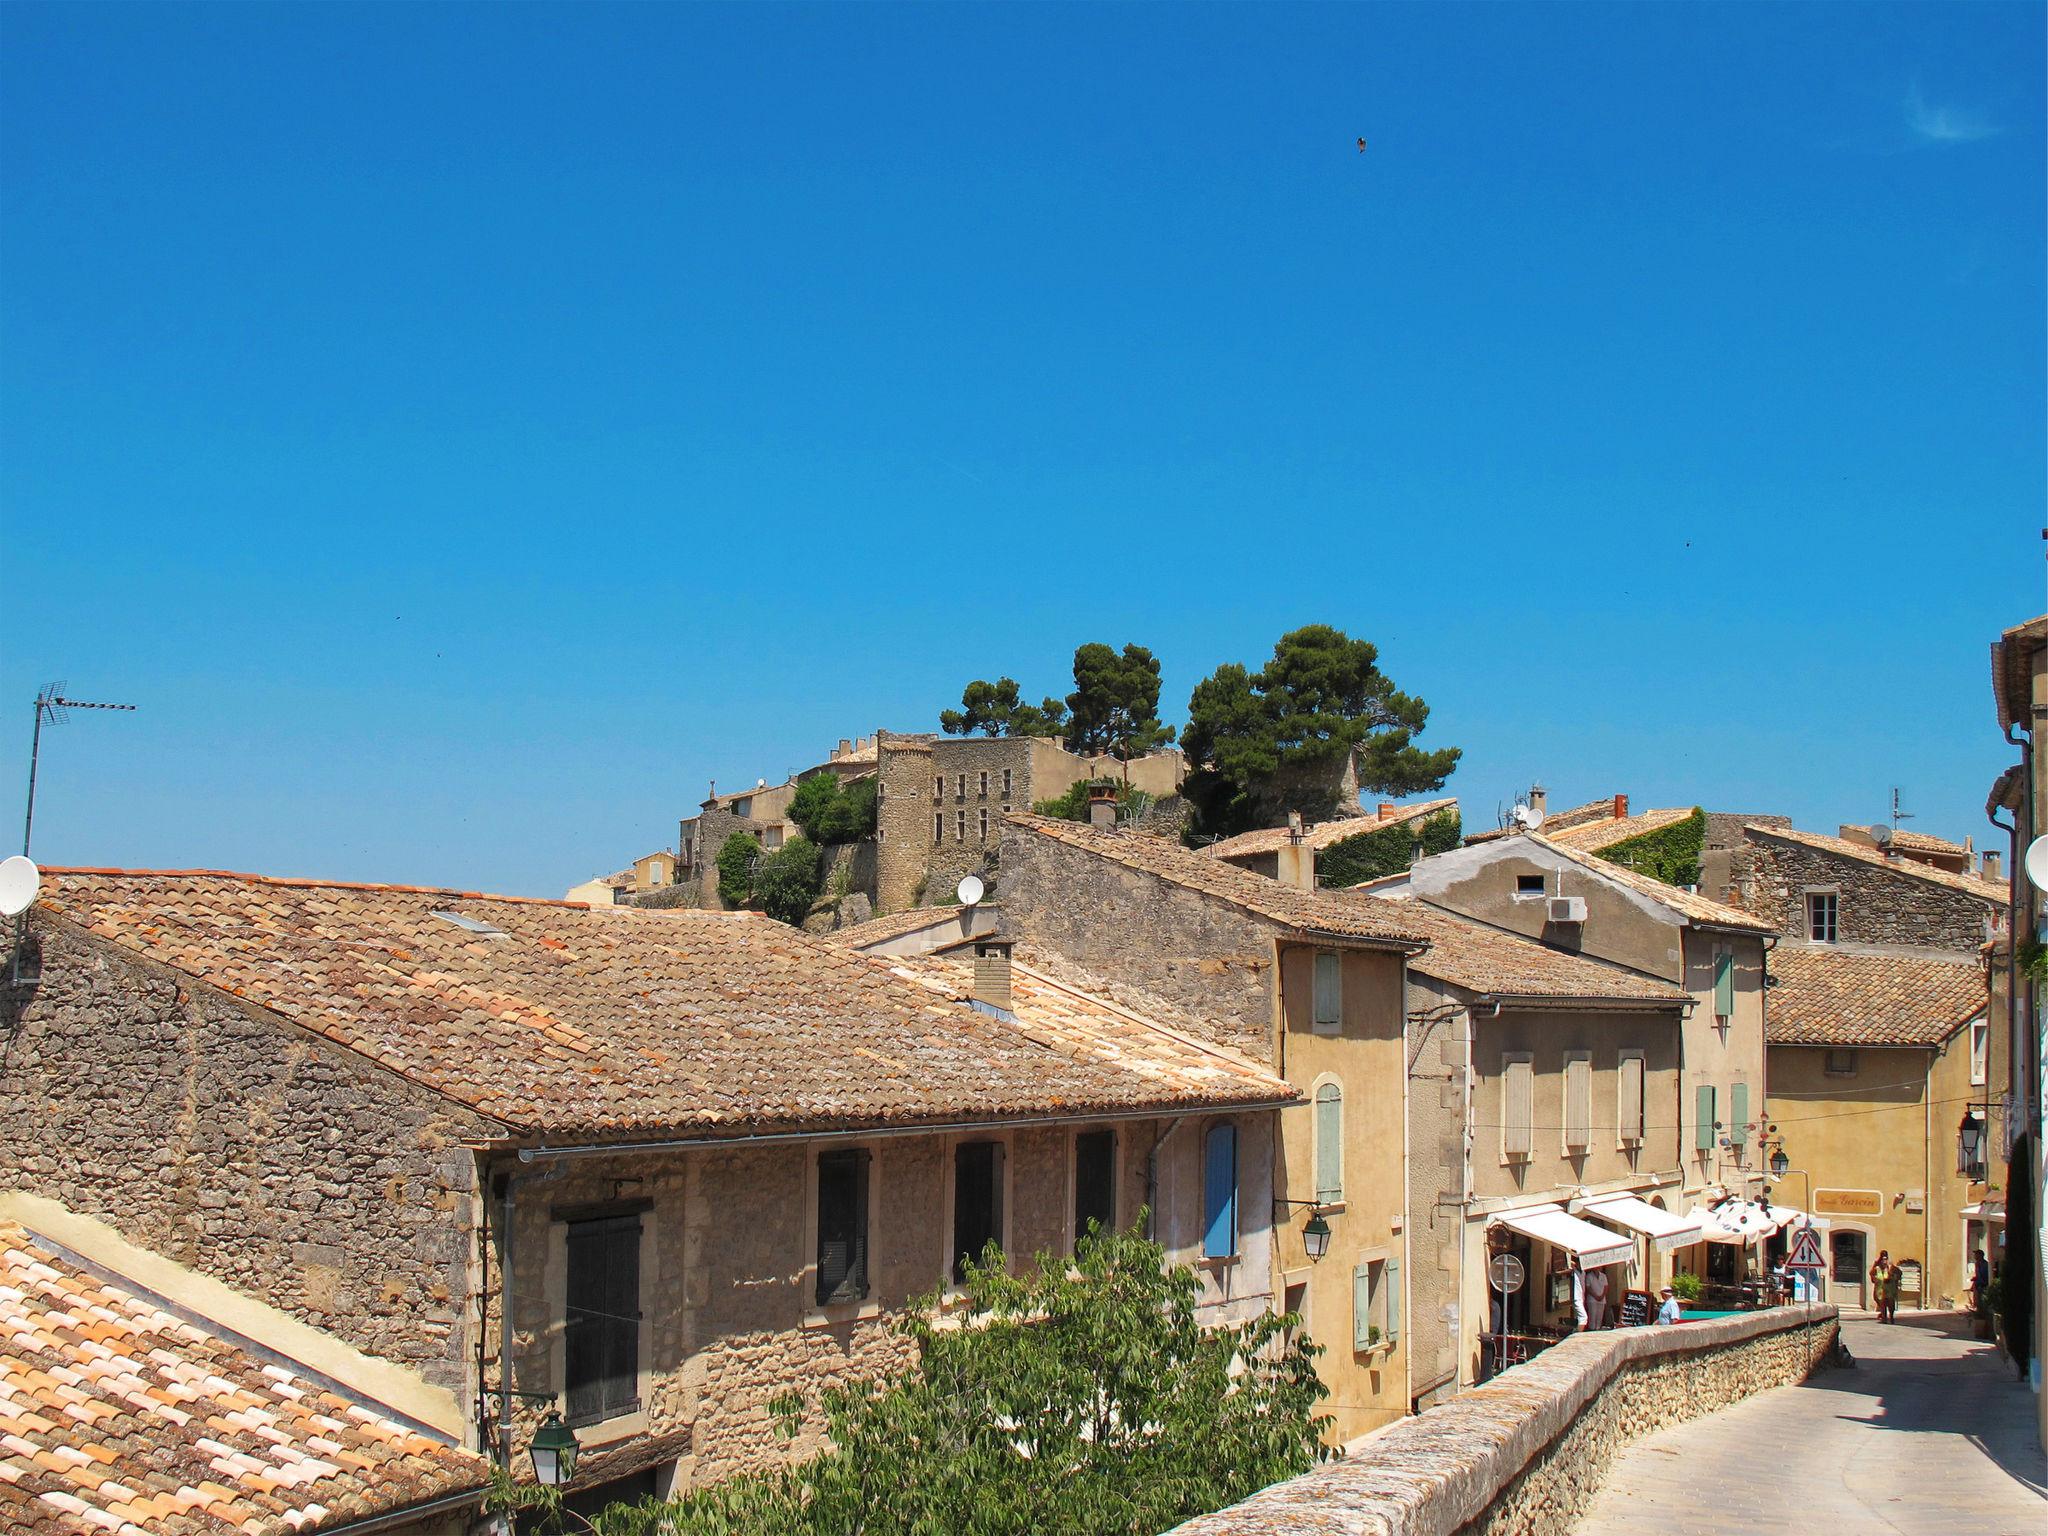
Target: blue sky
x,y
464,432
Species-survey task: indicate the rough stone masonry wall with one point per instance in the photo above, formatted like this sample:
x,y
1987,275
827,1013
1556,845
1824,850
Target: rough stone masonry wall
x,y
239,1146
1524,1454
1876,905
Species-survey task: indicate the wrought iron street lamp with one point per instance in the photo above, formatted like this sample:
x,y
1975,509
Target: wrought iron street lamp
x,y
1971,1135
1315,1237
554,1451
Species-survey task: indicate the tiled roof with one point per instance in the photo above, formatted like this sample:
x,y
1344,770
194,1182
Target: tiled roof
x,y
1064,1018
1822,994
1486,960
891,925
1690,905
1919,842
596,1022
1322,834
1970,885
1322,913
2012,661
1594,835
118,1417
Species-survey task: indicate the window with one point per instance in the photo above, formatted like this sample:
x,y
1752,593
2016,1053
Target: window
x,y
1980,1052
1578,1101
1822,910
1329,993
1094,1182
1375,1303
1738,1115
1530,886
842,1226
1724,984
1628,1110
984,783
1006,783
977,1201
939,786
744,806
1841,1064
1703,1118
1219,1192
1518,1106
601,1322
938,826
1329,1144
772,838
963,786
959,826
984,823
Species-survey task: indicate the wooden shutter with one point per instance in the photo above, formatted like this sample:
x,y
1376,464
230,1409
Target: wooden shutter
x,y
1738,1113
1517,1096
1724,985
601,1328
1329,1144
1094,1182
842,1226
1703,1110
1392,1287
1578,1102
1361,1307
1329,993
1629,1100
1219,1193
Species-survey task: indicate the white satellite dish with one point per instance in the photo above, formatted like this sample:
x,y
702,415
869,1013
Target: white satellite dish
x,y
970,890
2036,862
19,879
1527,817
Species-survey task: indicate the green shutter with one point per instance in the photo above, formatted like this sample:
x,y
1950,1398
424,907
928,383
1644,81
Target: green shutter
x,y
1738,1113
1724,985
1393,1300
1329,1144
1703,1132
1361,1307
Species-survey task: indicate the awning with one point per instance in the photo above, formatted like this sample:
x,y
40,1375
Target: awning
x,y
1986,1210
1550,1224
1741,1222
1664,1230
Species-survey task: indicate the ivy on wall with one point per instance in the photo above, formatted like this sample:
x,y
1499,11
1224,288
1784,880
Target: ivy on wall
x,y
1387,850
1670,854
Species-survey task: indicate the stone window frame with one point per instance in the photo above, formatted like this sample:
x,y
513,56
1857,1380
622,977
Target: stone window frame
x,y
1833,895
984,783
938,828
1006,786
1509,1060
865,1307
962,785
1006,1138
984,823
1069,1229
959,826
555,1282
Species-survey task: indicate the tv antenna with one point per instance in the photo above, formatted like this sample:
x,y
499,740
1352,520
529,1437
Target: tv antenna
x,y
1897,814
53,706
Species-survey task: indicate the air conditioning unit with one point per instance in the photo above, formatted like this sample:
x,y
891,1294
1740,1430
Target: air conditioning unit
x,y
1567,909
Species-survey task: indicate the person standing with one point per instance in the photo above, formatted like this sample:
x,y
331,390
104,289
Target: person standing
x,y
1980,1280
1596,1299
1669,1313
1578,1271
1893,1282
1880,1283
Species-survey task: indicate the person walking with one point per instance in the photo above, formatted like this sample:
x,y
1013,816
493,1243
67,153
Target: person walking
x,y
1596,1299
1892,1285
1880,1284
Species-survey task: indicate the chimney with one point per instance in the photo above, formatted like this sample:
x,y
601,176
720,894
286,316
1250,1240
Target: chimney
x,y
1386,809
1294,826
992,974
1993,865
1620,807
845,748
1102,807
1539,797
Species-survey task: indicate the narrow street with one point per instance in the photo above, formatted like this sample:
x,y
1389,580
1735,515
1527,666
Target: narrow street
x,y
1929,1433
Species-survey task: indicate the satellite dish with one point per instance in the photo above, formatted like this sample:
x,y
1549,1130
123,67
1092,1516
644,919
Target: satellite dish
x,y
1881,835
2036,862
970,890
19,879
1527,817
1504,1270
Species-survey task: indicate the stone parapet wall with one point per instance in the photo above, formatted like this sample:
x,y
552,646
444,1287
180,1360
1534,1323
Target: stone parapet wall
x,y
1524,1454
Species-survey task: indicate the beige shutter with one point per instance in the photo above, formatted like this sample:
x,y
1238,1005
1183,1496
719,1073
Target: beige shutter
x,y
1629,1101
1578,1101
1518,1091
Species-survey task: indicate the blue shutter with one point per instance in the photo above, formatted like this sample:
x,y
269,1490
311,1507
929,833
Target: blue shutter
x,y
1219,1193
1393,1284
1703,1132
1361,1307
1738,1113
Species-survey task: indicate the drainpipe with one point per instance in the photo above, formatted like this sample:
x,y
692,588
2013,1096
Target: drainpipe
x,y
505,1322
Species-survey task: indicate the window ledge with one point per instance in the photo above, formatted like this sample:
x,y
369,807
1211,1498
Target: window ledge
x,y
842,1312
1373,1351
606,1432
1217,1266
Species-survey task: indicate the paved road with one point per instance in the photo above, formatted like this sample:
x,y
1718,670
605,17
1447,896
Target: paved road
x,y
1930,1433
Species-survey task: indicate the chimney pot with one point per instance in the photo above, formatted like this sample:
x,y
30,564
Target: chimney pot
x,y
1538,798
1620,807
1386,809
1294,826
992,973
1102,806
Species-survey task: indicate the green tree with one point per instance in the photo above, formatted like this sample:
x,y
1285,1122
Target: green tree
x,y
831,812
1073,805
1086,1399
736,856
788,880
1114,707
993,709
1275,740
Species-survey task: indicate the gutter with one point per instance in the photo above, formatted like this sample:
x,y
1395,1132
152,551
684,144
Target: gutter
x,y
391,1518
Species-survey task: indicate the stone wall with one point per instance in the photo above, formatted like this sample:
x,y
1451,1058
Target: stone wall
x,y
1524,1454
1875,904
244,1148
1212,961
918,865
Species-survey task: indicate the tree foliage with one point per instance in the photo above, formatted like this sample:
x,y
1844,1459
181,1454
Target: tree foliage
x,y
736,856
994,709
829,811
1079,1397
1073,805
788,880
1276,740
1670,854
1114,707
1387,850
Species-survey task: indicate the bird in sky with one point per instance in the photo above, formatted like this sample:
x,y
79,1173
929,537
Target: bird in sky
x,y
1361,146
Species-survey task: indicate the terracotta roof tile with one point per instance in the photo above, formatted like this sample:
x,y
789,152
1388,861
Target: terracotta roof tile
x,y
598,1021
1320,835
891,925
1920,842
126,1464
1495,963
1822,994
1995,892
1690,905
1321,913
1592,836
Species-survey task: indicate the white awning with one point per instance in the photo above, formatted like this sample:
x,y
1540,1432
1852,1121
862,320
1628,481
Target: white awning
x,y
1664,1229
1741,1222
1550,1224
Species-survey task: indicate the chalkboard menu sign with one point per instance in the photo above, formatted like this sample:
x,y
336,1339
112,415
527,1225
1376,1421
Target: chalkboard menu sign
x,y
1635,1309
